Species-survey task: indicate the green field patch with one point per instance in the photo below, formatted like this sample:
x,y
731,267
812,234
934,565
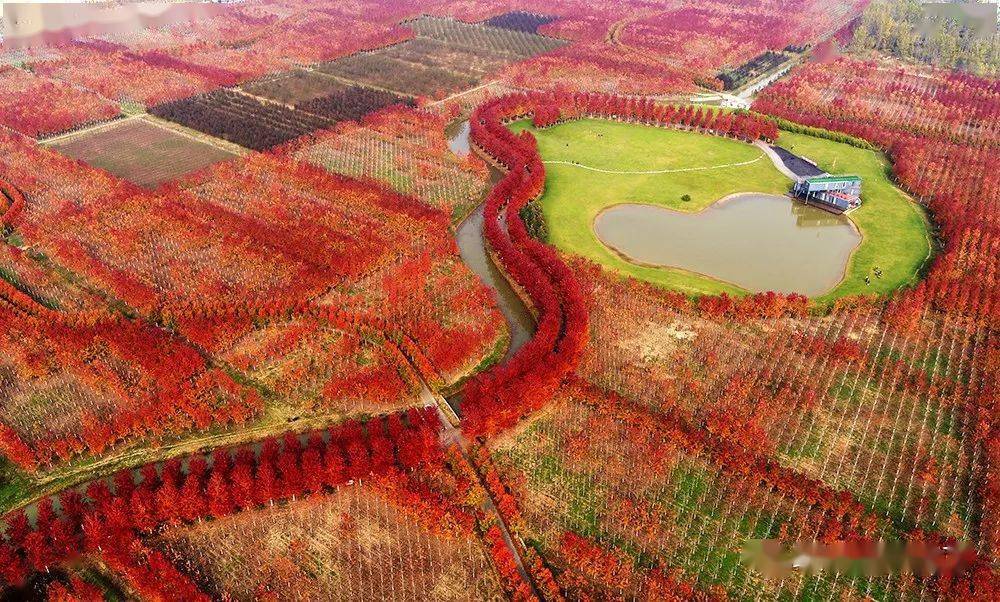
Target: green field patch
x,y
580,154
895,230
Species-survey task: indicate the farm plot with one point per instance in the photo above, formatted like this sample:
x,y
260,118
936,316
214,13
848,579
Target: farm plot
x,y
434,53
397,262
294,87
503,42
440,305
847,400
97,386
351,103
447,55
615,502
121,76
22,93
218,248
383,71
519,21
240,118
46,283
362,542
141,152
407,150
311,366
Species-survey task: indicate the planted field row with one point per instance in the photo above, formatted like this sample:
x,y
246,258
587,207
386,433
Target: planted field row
x,y
115,75
109,514
32,274
519,21
420,67
377,69
261,124
294,87
846,400
141,152
11,203
101,385
361,543
512,43
442,55
351,103
584,472
66,107
885,105
407,150
240,119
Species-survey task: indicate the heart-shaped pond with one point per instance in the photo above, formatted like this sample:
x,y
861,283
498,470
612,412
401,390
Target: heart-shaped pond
x,y
760,242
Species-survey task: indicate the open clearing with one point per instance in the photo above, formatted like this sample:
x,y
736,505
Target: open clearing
x,y
593,164
141,152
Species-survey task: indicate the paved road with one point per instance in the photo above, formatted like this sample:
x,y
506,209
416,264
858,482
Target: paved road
x,y
797,164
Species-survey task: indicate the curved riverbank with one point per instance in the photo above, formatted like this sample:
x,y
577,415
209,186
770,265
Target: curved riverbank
x,y
476,255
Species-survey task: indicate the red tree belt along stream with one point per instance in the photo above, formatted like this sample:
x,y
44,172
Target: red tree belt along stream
x,y
496,399
113,513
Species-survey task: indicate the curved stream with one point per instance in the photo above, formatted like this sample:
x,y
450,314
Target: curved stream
x,y
458,137
472,247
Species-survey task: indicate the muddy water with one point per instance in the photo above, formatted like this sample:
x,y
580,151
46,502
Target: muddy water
x,y
458,138
756,241
472,247
473,250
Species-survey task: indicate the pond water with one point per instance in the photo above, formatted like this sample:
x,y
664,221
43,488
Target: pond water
x,y
760,242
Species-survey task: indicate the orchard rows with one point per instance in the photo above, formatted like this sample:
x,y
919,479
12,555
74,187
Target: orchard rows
x,y
406,149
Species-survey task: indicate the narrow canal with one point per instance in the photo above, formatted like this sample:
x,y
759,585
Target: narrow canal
x,y
472,247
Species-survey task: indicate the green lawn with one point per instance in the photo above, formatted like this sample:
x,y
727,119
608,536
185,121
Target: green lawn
x,y
894,229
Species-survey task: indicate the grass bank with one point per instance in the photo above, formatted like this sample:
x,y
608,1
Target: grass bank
x,y
894,230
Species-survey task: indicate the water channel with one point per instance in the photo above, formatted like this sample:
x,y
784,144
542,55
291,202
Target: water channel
x,y
472,247
759,242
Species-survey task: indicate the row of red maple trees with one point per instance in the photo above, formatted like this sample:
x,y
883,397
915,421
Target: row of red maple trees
x,y
740,125
497,398
12,203
940,131
108,516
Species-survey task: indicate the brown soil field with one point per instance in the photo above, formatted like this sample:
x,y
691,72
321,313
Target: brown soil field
x,y
141,152
294,87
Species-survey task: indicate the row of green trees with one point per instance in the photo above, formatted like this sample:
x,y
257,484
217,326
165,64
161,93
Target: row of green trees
x,y
905,28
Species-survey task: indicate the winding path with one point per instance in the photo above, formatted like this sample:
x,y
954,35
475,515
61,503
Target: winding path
x,y
651,171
